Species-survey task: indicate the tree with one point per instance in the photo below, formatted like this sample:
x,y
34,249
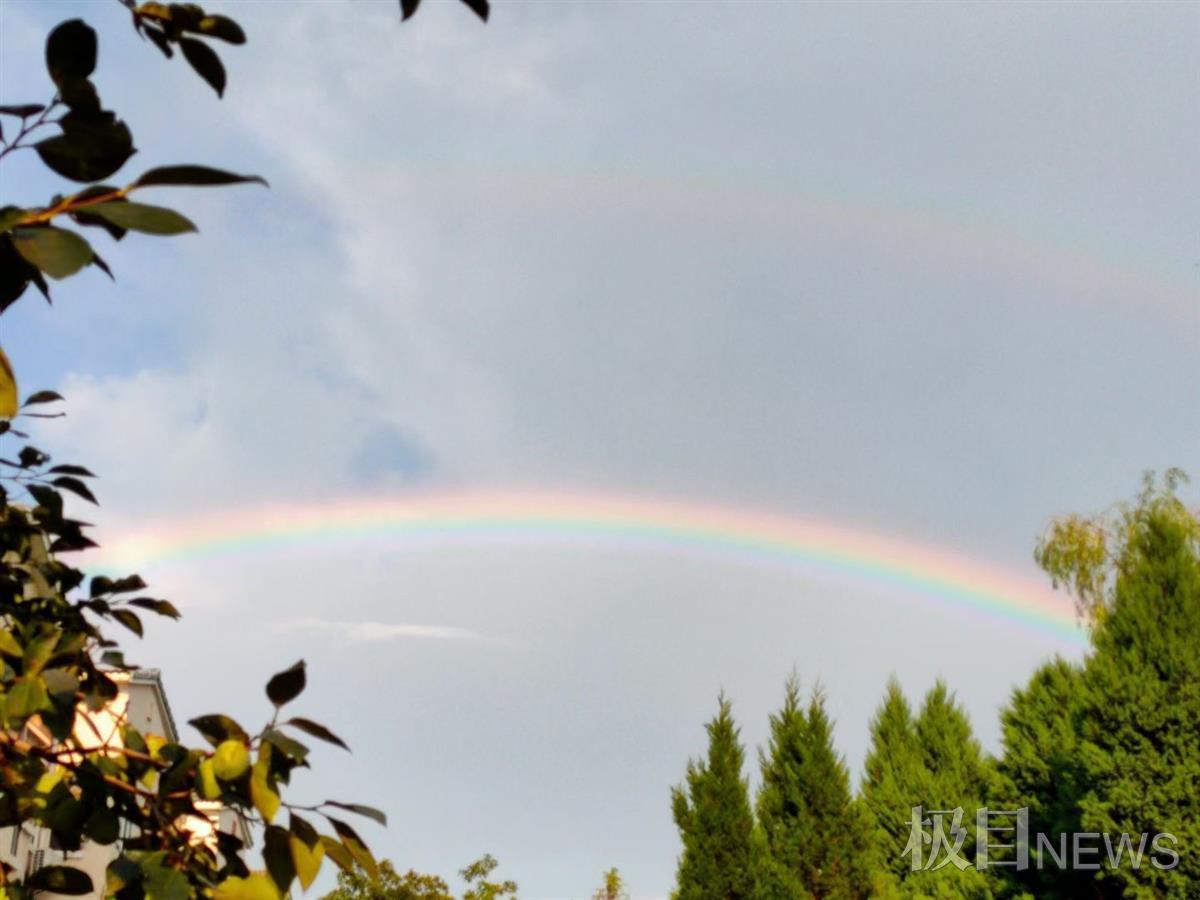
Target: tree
x,y
613,887
357,884
476,876
894,778
1136,713
811,824
712,812
1040,771
55,639
932,762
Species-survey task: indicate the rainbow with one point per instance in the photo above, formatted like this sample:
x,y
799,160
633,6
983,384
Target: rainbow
x,y
475,519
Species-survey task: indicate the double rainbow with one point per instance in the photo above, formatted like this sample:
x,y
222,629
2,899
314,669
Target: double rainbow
x,y
473,519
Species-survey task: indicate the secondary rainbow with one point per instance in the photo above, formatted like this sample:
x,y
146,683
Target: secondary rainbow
x,y
720,534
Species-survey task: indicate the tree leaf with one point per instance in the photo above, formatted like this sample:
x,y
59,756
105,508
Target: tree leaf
x,y
24,110
308,726
479,7
129,620
306,859
286,686
288,746
60,880
369,811
51,397
408,8
8,388
217,728
92,146
76,487
277,854
143,217
71,51
162,607
193,176
205,61
223,28
57,252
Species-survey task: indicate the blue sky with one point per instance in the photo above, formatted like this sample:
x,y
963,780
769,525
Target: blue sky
x,y
925,269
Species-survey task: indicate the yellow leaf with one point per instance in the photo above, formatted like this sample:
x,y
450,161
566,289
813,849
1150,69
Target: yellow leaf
x,y
9,404
230,760
262,795
255,886
306,859
208,781
154,743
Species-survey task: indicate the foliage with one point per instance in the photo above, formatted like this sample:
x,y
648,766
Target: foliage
x,y
613,887
61,667
812,828
477,876
712,812
356,884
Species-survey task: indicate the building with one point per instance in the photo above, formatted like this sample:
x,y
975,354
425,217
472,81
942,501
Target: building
x,y
141,702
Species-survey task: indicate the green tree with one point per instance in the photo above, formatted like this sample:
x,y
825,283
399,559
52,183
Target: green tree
x,y
479,887
813,830
1137,709
613,887
715,821
357,884
933,762
56,640
894,780
1040,771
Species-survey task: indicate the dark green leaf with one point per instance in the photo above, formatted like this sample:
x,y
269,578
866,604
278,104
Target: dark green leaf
x,y
162,607
286,685
103,826
57,252
129,620
479,7
369,811
277,854
143,217
76,487
71,51
223,28
303,830
289,746
408,8
24,110
91,147
217,728
193,176
206,62
49,397
308,726
59,880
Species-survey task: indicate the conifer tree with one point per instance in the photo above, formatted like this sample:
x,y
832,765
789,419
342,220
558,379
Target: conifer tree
x,y
1139,708
933,762
716,824
810,822
894,780
1040,772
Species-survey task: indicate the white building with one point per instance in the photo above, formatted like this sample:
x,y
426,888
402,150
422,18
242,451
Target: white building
x,y
142,703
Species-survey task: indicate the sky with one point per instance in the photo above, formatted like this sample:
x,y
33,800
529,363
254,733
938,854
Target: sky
x,y
926,271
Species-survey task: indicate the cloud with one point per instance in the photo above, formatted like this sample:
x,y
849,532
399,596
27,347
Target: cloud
x,y
376,632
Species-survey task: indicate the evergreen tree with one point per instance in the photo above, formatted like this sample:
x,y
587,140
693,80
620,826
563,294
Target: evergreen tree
x,y
1040,771
712,811
894,781
810,823
1139,708
933,762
